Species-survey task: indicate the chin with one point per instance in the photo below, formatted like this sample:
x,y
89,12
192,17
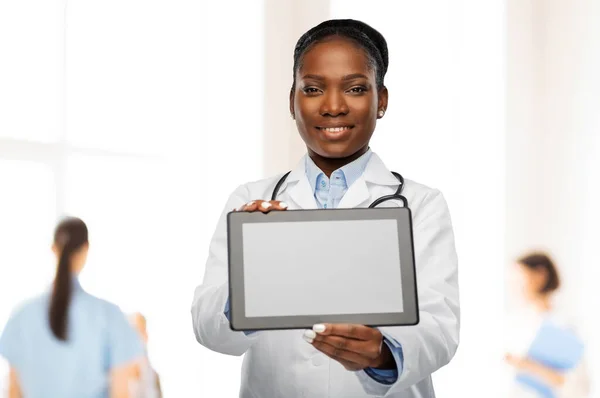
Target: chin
x,y
335,151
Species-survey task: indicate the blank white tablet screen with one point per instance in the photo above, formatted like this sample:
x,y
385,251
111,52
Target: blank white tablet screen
x,y
321,267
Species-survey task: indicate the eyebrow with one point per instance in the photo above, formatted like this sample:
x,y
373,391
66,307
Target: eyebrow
x,y
354,76
314,77
345,78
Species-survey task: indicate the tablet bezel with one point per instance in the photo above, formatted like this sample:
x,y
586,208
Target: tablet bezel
x,y
238,319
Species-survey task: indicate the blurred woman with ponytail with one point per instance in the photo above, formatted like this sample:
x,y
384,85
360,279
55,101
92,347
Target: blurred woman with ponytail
x,y
67,343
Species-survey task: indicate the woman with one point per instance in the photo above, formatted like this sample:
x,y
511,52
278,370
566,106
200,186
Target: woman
x,y
146,383
68,343
337,96
538,280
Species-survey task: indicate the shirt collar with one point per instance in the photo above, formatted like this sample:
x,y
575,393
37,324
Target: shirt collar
x,y
75,283
352,171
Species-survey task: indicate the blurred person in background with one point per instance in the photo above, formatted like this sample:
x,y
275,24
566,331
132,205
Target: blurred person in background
x,y
146,383
67,343
536,280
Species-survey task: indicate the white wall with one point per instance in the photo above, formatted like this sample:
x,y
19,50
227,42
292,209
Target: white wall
x,y
552,146
140,117
285,22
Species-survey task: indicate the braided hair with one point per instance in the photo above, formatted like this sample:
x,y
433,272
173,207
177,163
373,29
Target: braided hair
x,y
359,32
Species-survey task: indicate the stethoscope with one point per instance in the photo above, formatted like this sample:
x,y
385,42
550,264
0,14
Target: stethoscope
x,y
396,196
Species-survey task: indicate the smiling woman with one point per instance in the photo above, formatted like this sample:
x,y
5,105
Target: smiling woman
x,y
338,90
337,96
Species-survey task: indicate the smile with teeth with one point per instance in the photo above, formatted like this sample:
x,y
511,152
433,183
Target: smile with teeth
x,y
335,129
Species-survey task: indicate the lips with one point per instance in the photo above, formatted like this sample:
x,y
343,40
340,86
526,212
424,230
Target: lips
x,y
335,133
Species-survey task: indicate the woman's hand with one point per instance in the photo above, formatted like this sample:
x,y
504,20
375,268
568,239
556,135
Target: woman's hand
x,y
356,347
14,386
515,361
551,376
263,206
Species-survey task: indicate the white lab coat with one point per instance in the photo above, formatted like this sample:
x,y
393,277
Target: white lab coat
x,y
281,363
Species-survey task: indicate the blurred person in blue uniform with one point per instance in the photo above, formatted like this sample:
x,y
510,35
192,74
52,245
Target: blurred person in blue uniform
x,y
67,343
146,383
545,352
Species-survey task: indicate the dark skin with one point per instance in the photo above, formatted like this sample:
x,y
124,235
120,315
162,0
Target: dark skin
x,y
336,86
335,104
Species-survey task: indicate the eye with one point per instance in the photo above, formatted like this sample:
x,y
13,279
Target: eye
x,y
358,90
311,90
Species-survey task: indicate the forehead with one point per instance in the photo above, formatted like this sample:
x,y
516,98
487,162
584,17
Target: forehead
x,y
526,269
335,57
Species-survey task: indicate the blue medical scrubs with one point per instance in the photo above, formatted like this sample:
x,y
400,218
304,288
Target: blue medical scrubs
x,y
100,338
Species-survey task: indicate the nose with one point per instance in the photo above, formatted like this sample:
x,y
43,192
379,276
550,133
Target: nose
x,y
334,104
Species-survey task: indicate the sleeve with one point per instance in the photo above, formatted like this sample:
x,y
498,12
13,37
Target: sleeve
x,y
11,343
432,343
124,344
210,323
388,376
228,315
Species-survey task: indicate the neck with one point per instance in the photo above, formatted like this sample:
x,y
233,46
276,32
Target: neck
x,y
329,165
542,303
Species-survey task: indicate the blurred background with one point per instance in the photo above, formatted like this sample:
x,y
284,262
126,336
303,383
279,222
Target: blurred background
x,y
141,117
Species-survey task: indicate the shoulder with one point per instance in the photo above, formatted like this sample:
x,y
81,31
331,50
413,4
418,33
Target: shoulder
x,y
114,323
101,307
424,200
416,193
30,307
258,189
565,317
26,318
419,190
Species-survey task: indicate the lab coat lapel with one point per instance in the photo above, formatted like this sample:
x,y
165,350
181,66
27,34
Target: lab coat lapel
x,y
302,195
376,180
377,174
298,189
357,194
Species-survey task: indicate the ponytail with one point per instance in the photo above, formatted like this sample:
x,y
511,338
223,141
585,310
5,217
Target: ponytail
x,y
70,236
61,296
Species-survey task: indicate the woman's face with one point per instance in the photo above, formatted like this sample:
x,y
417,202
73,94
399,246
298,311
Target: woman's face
x,y
335,101
529,281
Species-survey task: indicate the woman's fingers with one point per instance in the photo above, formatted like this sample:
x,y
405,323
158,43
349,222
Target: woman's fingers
x,y
277,205
263,206
249,207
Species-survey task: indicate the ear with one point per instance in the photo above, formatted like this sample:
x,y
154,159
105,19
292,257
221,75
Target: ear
x,y
292,97
382,99
541,276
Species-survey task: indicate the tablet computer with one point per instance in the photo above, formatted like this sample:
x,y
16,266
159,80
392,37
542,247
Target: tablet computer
x,y
296,268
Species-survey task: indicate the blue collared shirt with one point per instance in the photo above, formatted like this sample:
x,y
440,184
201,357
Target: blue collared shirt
x,y
328,194
99,339
330,191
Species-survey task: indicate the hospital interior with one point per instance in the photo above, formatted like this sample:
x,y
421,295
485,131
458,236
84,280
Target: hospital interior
x,y
141,118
